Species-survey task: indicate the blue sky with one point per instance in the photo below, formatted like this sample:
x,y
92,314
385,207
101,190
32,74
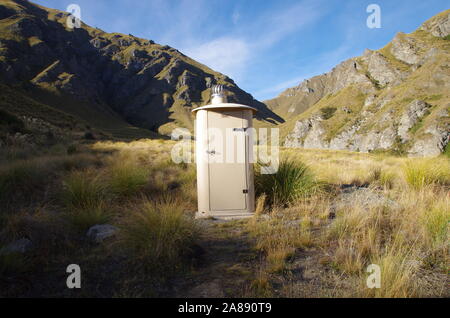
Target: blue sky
x,y
266,46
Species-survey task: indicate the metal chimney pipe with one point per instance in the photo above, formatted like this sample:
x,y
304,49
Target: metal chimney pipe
x,y
218,96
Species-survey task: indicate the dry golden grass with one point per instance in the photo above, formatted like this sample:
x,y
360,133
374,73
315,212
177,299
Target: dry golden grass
x,y
407,236
137,187
158,234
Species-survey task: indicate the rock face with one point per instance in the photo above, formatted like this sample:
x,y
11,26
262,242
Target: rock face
x,y
406,49
147,84
439,26
381,70
414,112
393,99
437,137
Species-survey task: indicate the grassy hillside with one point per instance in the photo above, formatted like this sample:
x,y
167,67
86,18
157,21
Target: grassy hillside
x,y
67,117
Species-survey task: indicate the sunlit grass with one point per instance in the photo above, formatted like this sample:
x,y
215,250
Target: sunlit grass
x,y
423,172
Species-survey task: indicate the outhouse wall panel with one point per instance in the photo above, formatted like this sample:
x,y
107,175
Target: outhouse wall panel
x,y
202,162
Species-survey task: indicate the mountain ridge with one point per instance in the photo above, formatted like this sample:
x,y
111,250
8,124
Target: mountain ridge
x,y
111,75
392,99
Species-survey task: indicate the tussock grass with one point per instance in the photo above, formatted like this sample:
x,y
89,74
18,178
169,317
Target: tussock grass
x,y
85,197
398,274
136,187
159,234
292,181
401,239
422,172
84,218
83,189
436,223
261,286
127,179
20,178
260,203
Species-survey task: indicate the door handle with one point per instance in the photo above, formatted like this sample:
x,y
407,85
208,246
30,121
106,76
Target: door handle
x,y
212,152
240,129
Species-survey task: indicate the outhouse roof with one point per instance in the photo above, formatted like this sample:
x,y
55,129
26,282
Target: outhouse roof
x,y
225,106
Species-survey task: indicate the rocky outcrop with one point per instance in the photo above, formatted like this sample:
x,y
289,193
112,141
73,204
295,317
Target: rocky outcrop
x,y
309,133
438,26
406,49
436,138
381,70
414,112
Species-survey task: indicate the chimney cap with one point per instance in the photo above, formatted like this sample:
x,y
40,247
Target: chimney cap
x,y
217,90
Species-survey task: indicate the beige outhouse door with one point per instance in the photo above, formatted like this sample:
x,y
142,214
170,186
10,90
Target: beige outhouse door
x,y
228,161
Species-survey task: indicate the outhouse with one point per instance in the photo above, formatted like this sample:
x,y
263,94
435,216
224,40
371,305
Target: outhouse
x,y
224,149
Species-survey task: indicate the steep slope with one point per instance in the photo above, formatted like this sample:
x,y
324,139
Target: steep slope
x,y
393,99
108,80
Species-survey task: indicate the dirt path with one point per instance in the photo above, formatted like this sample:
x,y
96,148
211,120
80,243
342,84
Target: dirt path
x,y
226,266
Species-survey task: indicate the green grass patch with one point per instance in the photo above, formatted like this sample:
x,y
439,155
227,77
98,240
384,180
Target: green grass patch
x,y
446,152
327,112
82,219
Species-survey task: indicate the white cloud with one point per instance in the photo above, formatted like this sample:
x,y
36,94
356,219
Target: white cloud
x,y
231,54
226,55
278,25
